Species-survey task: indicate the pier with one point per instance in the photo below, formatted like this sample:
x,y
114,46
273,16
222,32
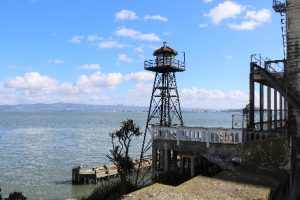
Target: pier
x,y
94,174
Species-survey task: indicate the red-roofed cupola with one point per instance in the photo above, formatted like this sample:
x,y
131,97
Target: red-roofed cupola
x,y
165,61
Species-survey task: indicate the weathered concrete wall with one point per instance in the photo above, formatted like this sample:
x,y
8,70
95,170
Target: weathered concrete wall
x,y
198,148
293,78
272,154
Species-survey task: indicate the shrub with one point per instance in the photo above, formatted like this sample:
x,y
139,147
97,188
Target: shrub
x,y
119,155
14,196
109,190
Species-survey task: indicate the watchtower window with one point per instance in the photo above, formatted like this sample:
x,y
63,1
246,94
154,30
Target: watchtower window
x,y
164,59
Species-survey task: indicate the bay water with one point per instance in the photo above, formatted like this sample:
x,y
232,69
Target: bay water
x,y
39,149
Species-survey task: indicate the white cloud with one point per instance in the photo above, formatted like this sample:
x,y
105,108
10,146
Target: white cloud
x,y
216,99
245,25
139,49
229,57
90,67
203,93
124,58
100,88
262,15
202,25
76,39
126,15
227,9
94,37
103,99
139,77
208,1
139,95
56,61
110,44
156,17
98,79
254,19
238,95
131,33
33,81
141,58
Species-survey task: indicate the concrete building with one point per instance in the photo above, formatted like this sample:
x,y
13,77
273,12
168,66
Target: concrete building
x,y
293,81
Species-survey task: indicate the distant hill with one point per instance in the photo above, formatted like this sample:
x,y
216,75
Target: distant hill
x,y
87,107
71,107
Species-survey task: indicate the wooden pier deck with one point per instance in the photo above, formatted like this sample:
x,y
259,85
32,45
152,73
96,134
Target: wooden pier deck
x,y
94,174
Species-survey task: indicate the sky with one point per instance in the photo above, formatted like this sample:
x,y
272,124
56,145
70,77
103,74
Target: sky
x,y
93,52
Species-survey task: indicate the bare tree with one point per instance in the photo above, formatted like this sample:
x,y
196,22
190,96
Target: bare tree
x,y
119,155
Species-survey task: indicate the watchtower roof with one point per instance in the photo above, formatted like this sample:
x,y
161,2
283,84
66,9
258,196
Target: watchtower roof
x,y
165,49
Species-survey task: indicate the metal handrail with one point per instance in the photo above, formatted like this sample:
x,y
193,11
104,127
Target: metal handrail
x,y
167,61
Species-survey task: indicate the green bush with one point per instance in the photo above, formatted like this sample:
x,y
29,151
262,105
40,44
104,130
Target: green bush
x,y
109,190
14,196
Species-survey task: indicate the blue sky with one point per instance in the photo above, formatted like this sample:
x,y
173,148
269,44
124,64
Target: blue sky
x,y
91,51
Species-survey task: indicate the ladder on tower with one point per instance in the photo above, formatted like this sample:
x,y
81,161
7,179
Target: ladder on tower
x,y
280,7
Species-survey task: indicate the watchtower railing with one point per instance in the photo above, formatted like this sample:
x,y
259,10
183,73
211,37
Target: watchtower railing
x,y
198,134
165,61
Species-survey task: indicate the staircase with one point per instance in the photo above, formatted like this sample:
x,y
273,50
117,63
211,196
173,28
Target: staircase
x,y
219,161
279,85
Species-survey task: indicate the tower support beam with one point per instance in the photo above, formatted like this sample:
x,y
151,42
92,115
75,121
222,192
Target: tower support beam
x,y
164,108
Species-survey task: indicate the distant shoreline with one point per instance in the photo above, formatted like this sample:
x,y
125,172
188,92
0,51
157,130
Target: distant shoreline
x,y
69,107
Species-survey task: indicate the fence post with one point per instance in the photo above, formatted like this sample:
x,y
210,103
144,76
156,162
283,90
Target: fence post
x,y
207,139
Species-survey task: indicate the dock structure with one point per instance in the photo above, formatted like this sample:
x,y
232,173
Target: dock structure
x,y
94,174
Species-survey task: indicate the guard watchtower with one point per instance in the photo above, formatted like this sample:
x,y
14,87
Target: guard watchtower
x,y
165,105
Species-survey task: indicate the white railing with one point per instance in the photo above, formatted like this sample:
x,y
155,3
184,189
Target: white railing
x,y
198,134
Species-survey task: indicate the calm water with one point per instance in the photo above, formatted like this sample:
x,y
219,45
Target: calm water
x,y
39,149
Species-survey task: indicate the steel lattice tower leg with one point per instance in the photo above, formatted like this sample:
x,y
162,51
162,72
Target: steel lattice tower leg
x,y
164,107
